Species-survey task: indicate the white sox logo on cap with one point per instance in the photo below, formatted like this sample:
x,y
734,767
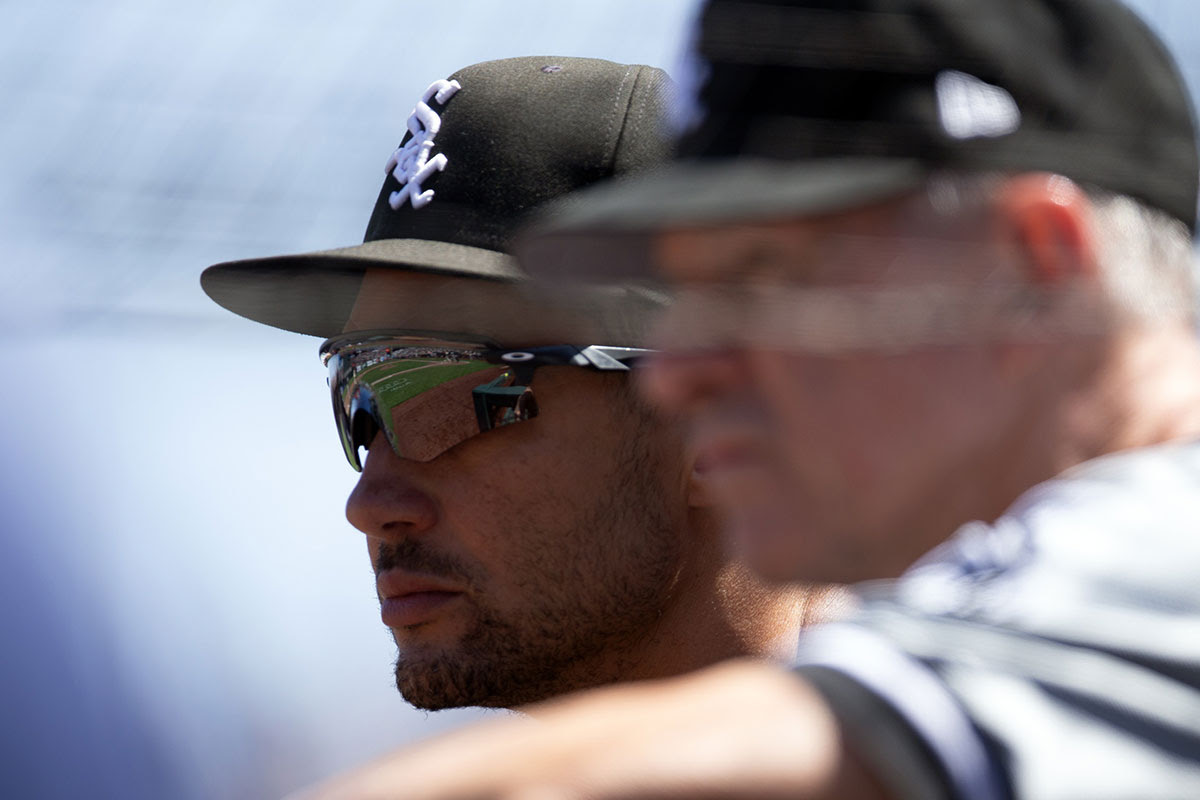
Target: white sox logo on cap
x,y
411,164
971,108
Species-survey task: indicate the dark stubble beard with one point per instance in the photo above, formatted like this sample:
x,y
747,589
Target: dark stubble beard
x,y
593,600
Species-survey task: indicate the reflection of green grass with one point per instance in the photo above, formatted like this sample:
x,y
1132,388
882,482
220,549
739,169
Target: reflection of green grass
x,y
397,381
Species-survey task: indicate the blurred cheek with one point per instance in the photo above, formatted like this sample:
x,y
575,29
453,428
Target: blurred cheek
x,y
797,393
823,421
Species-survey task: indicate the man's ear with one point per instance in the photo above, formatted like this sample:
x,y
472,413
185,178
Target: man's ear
x,y
1049,219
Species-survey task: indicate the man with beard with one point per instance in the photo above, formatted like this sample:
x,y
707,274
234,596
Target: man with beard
x,y
935,332
532,528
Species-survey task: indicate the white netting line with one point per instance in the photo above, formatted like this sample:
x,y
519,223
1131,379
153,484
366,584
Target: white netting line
x,y
873,318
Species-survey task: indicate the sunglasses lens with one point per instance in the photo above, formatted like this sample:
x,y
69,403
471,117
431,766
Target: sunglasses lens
x,y
502,402
423,405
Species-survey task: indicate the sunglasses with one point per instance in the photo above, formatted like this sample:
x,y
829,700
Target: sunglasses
x,y
428,394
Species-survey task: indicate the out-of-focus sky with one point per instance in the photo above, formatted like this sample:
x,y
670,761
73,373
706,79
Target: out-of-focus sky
x,y
189,613
186,611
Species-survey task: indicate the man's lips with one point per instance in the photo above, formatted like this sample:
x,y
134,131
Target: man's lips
x,y
735,463
725,447
407,600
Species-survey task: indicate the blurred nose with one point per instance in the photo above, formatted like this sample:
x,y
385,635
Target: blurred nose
x,y
387,502
679,382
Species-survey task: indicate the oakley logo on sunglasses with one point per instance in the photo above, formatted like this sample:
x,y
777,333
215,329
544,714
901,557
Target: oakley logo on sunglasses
x,y
426,398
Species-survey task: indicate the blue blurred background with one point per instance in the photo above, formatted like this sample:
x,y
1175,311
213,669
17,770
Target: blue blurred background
x,y
185,612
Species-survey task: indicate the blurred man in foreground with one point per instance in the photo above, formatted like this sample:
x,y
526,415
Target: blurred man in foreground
x,y
936,275
514,562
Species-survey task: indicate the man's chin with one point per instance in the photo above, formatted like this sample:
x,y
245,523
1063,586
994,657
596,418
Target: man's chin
x,y
434,677
438,689
432,686
453,679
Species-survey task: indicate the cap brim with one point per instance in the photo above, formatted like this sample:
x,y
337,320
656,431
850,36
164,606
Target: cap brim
x,y
601,233
446,291
315,293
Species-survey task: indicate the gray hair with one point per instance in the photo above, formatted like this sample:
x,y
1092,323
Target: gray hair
x,y
1146,259
1145,256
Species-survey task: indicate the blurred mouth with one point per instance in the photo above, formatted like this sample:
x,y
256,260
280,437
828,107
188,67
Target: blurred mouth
x,y
725,445
735,463
407,601
724,454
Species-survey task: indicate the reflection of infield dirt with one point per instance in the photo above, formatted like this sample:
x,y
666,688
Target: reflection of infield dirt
x,y
427,424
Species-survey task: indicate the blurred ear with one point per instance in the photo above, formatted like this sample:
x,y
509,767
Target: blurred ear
x,y
1048,218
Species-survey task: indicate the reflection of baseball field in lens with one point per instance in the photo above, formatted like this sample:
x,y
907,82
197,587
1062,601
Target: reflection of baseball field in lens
x,y
398,381
434,410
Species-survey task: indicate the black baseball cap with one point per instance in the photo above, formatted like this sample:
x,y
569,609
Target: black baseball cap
x,y
815,106
484,147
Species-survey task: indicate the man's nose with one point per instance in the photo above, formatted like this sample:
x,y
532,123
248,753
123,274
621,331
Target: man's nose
x,y
388,500
679,382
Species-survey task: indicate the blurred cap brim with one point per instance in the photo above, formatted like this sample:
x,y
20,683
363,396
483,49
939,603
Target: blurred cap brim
x,y
603,233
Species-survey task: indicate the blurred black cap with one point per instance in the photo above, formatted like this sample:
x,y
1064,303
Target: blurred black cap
x,y
813,106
